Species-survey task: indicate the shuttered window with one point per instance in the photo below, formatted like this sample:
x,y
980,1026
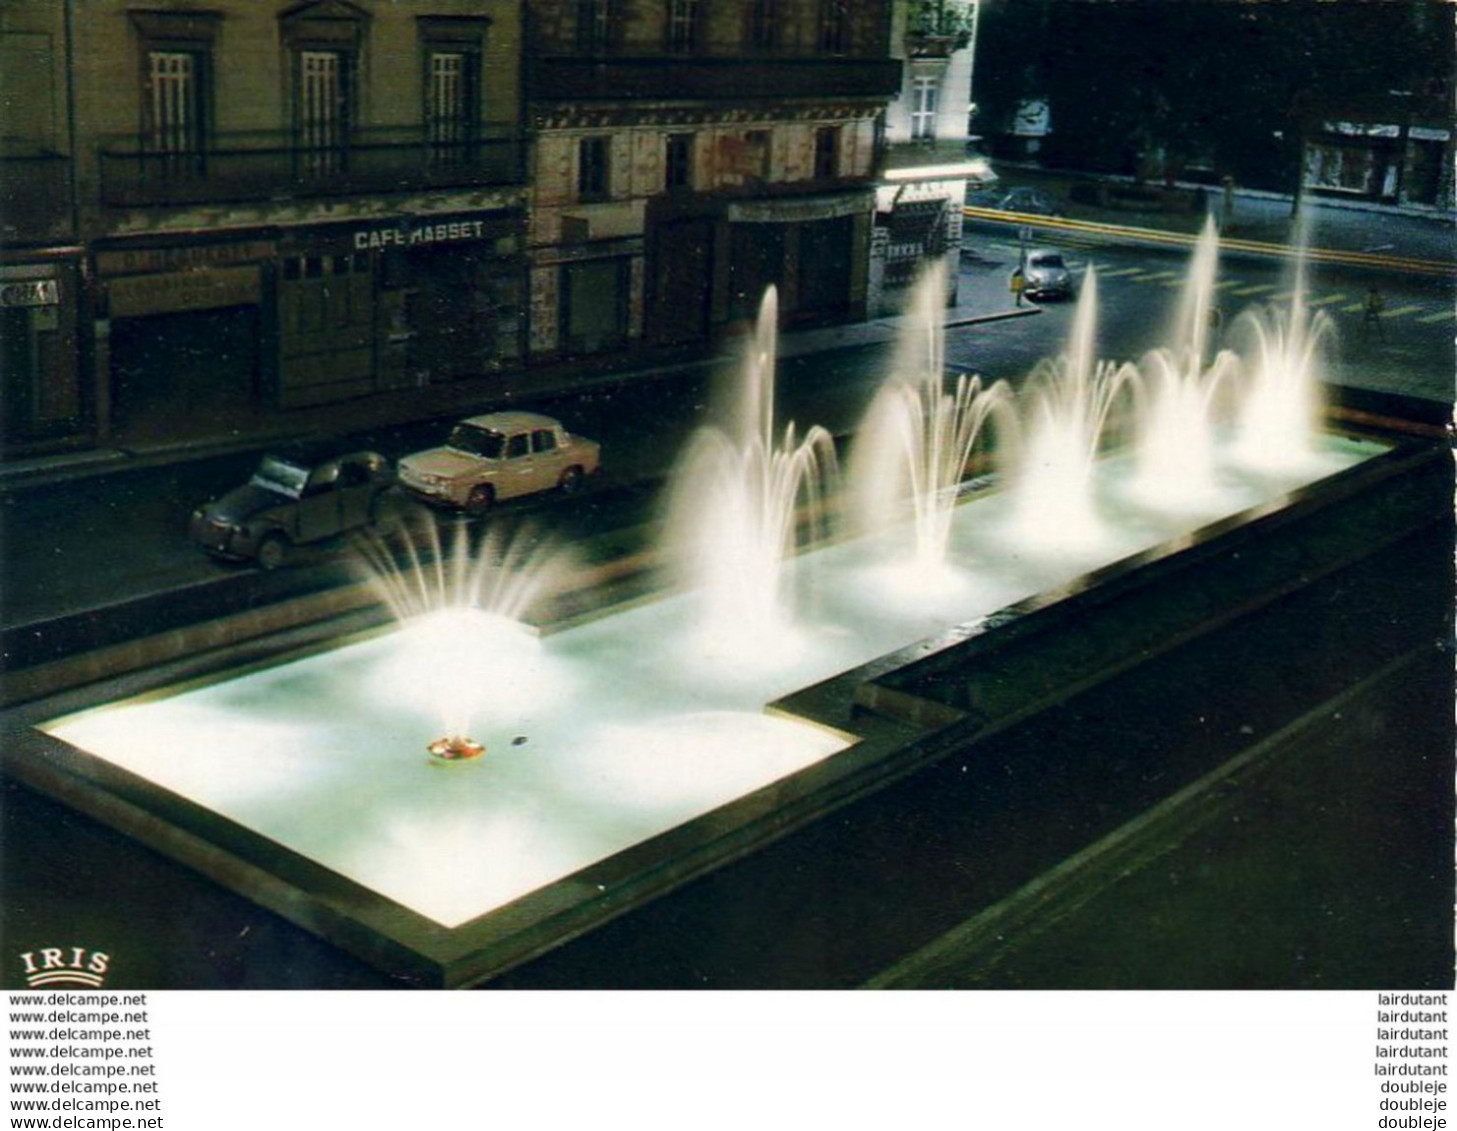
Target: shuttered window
x,y
175,122
593,26
321,99
682,25
449,98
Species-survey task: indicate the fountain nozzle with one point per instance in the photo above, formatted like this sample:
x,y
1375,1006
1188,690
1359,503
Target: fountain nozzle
x,y
456,748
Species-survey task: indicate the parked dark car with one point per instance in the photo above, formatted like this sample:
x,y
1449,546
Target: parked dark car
x,y
294,497
1029,201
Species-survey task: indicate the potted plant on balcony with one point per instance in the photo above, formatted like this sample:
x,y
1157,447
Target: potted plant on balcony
x,y
936,28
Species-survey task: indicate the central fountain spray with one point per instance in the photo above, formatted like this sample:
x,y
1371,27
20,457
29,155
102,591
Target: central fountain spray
x,y
461,603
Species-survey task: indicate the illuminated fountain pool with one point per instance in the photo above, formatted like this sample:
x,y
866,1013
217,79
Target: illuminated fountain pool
x,y
604,740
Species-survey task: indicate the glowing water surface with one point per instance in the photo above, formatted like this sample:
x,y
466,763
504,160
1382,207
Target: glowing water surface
x,y
611,733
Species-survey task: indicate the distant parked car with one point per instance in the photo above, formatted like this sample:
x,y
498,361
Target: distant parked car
x,y
499,456
297,495
1047,275
1029,201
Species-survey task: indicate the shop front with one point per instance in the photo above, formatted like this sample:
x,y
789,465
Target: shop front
x,y
711,261
812,249
400,302
43,403
219,336
180,335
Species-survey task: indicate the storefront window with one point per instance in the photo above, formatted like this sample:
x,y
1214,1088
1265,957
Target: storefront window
x,y
39,396
594,298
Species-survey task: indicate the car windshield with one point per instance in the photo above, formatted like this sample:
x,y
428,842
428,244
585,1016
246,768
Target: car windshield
x,y
280,475
1047,259
476,441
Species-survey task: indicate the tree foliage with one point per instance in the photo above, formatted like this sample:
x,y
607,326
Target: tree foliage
x,y
1227,84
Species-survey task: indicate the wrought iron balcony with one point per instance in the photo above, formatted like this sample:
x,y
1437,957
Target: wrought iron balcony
x,y
255,167
935,45
575,78
35,198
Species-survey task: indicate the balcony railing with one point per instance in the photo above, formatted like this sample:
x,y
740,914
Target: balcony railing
x,y
35,198
256,167
573,79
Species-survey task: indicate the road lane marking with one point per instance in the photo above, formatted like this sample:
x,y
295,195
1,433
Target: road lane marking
x,y
1441,316
1257,288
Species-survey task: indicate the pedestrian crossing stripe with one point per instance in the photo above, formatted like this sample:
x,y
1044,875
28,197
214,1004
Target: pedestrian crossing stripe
x,y
1236,288
1397,312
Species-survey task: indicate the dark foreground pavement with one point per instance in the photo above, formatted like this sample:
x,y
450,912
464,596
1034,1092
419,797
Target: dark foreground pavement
x,y
1316,859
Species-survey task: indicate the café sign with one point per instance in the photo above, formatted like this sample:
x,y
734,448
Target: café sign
x,y
414,235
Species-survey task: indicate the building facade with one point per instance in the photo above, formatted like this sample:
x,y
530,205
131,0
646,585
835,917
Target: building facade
x,y
927,169
44,317
218,213
1394,150
687,155
268,206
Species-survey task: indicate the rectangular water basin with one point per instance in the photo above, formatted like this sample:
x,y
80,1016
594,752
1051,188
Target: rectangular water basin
x,y
623,755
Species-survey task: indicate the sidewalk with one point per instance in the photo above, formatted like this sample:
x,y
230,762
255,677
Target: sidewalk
x,y
413,406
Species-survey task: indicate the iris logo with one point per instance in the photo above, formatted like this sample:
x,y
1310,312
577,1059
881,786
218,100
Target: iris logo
x,y
69,966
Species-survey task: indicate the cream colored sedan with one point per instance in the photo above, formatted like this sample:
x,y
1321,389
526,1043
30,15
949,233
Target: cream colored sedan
x,y
499,456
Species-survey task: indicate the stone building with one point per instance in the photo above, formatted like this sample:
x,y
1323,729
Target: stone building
x,y
222,211
927,168
43,316
688,154
217,213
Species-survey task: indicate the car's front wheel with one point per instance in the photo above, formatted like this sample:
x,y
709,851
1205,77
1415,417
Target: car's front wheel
x,y
272,551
